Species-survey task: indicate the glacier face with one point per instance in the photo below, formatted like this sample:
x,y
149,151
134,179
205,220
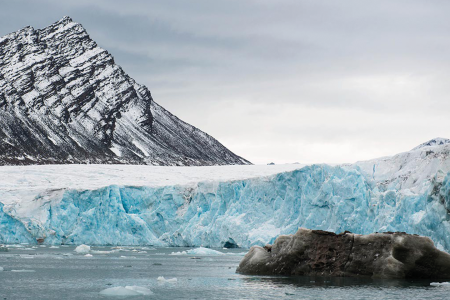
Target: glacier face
x,y
408,192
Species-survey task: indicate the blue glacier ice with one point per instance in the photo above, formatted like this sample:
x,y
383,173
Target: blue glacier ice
x,y
407,192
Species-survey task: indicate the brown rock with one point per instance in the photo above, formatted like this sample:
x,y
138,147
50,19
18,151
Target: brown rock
x,y
322,253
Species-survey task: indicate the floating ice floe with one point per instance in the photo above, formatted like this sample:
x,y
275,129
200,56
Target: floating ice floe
x,y
102,252
54,247
23,271
446,284
199,251
1,269
120,291
170,280
147,248
82,249
88,255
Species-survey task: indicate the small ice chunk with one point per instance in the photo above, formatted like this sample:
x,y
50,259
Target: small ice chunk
x,y
177,253
101,252
148,248
204,251
82,249
199,251
171,280
446,284
1,269
133,290
23,271
54,247
88,255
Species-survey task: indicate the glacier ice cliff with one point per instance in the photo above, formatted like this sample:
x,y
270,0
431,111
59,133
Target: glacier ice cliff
x,y
407,192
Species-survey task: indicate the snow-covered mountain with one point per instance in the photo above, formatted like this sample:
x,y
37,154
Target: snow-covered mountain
x,y
64,100
210,206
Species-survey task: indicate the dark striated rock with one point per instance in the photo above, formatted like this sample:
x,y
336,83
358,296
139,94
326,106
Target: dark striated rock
x,y
322,253
64,100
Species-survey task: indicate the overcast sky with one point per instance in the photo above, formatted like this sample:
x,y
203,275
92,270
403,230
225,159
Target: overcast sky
x,y
283,81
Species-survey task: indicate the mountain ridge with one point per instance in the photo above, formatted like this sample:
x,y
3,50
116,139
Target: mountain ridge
x,y
63,99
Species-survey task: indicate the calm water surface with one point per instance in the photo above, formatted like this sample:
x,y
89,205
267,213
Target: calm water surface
x,y
60,273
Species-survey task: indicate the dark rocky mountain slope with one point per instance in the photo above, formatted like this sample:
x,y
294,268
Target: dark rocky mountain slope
x,y
64,100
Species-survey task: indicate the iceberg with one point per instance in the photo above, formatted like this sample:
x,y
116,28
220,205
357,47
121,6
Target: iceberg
x,y
82,249
249,205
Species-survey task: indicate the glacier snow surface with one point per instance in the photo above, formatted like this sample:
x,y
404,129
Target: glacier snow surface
x,y
407,192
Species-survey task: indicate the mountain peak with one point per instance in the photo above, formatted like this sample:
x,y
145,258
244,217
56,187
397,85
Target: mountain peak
x,y
65,19
64,100
433,142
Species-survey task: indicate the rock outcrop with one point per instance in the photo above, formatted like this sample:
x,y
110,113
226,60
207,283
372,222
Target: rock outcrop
x,y
322,253
63,99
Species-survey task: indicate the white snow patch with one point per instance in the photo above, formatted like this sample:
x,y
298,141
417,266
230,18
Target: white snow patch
x,y
35,179
30,96
52,140
62,29
139,146
66,70
116,151
85,56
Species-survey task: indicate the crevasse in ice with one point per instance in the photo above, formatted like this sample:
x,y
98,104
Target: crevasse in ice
x,y
408,192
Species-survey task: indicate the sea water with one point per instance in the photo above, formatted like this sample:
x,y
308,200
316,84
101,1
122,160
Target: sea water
x,y
58,272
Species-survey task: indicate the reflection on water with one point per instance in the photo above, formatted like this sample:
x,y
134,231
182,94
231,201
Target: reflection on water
x,y
61,273
348,282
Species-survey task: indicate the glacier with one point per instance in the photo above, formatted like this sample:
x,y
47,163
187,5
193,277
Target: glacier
x,y
210,206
